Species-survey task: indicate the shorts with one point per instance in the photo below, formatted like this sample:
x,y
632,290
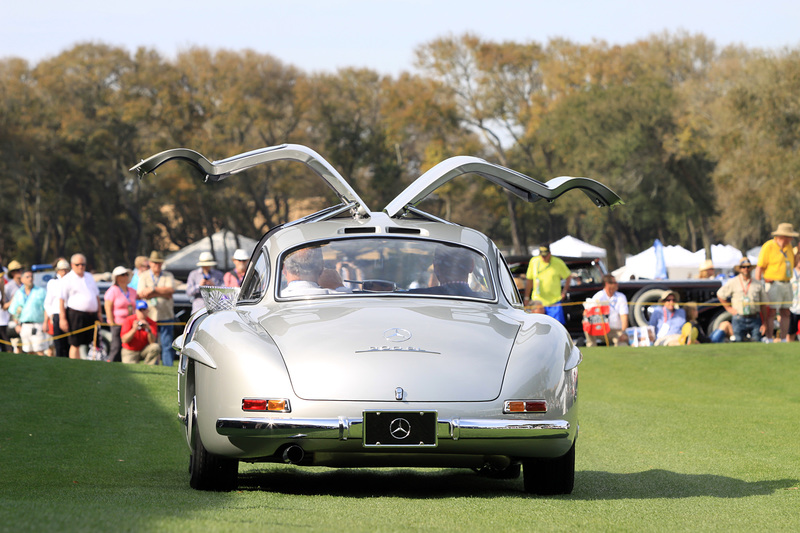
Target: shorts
x,y
79,320
779,294
33,337
556,311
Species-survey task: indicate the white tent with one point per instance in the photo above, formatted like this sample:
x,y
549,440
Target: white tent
x,y
680,262
569,246
724,256
185,260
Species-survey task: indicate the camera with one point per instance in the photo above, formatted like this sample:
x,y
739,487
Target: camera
x,y
141,325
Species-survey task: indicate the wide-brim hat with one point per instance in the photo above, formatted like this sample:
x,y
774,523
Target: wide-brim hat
x,y
667,294
62,264
156,257
206,259
785,229
14,265
241,255
119,271
708,264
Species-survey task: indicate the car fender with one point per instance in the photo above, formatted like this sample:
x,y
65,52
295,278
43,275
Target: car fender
x,y
246,364
543,365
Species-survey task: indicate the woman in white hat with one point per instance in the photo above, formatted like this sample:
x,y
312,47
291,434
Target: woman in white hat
x,y
234,277
120,303
203,276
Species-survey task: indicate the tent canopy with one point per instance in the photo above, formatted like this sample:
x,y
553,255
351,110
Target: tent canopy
x,y
183,261
680,262
569,246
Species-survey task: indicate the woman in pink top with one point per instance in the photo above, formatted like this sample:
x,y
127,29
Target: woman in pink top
x,y
120,302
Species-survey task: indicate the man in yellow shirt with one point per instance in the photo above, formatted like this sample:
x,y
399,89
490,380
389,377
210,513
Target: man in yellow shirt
x,y
543,282
775,265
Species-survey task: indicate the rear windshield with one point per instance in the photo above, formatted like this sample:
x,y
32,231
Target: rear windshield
x,y
400,266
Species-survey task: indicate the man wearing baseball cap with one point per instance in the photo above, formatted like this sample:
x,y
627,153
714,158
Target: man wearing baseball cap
x,y
775,265
543,282
139,337
52,308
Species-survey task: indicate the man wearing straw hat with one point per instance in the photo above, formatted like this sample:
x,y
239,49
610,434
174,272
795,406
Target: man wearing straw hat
x,y
157,287
775,265
203,276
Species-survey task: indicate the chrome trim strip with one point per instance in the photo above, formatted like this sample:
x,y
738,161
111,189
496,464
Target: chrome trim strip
x,y
344,428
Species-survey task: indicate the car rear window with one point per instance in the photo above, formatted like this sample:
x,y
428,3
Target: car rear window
x,y
397,266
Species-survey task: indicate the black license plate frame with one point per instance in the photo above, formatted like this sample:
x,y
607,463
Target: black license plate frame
x,y
400,429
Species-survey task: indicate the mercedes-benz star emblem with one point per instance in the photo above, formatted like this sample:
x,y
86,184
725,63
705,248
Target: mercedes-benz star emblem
x,y
400,428
397,334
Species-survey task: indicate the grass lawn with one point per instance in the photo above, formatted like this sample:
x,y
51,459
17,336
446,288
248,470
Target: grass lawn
x,y
671,439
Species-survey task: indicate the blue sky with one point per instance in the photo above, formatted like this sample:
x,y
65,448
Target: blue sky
x,y
317,35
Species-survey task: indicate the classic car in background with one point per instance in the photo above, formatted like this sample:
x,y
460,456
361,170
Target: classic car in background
x,y
367,338
642,294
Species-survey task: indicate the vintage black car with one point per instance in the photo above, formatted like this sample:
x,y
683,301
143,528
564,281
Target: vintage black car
x,y
587,279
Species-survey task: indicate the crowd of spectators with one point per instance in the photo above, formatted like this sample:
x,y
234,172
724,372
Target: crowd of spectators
x,y
752,298
61,319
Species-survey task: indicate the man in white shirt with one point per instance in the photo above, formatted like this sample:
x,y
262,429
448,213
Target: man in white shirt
x,y
617,316
79,306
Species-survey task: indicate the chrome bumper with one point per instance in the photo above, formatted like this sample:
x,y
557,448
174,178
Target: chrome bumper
x,y
352,428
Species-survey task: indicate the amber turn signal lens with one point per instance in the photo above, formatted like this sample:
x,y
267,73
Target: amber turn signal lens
x,y
277,405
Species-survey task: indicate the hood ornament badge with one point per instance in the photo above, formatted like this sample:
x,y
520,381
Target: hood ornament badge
x,y
397,335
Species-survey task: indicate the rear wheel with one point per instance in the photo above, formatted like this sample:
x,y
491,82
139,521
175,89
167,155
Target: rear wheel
x,y
550,476
208,471
642,301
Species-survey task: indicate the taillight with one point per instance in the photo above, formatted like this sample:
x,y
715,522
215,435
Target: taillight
x,y
525,406
261,404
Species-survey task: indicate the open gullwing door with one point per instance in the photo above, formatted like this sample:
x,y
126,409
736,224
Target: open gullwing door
x,y
219,170
523,186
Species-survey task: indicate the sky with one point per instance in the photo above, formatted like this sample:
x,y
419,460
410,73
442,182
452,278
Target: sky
x,y
316,35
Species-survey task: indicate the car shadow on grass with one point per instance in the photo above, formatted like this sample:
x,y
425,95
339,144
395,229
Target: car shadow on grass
x,y
595,485
358,482
446,483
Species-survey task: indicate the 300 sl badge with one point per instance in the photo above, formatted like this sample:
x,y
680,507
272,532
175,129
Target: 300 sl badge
x,y
395,349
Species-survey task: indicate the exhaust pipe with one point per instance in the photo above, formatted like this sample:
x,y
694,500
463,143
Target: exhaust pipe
x,y
293,454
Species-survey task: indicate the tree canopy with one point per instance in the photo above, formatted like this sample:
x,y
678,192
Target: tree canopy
x,y
701,143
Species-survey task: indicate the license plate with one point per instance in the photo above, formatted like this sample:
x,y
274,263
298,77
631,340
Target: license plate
x,y
400,428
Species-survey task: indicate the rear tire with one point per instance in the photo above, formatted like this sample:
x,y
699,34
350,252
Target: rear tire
x,y
642,300
208,471
550,476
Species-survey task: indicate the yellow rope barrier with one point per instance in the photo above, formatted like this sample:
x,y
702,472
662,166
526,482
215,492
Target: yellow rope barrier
x,y
95,325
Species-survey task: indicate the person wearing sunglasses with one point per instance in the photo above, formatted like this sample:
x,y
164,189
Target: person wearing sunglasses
x,y
79,307
668,320
742,297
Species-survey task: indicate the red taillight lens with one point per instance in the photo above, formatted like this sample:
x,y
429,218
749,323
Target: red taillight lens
x,y
525,406
250,404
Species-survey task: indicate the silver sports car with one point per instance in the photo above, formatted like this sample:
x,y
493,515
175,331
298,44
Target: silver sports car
x,y
365,338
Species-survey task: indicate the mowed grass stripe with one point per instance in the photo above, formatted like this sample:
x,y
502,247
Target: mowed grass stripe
x,y
690,438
